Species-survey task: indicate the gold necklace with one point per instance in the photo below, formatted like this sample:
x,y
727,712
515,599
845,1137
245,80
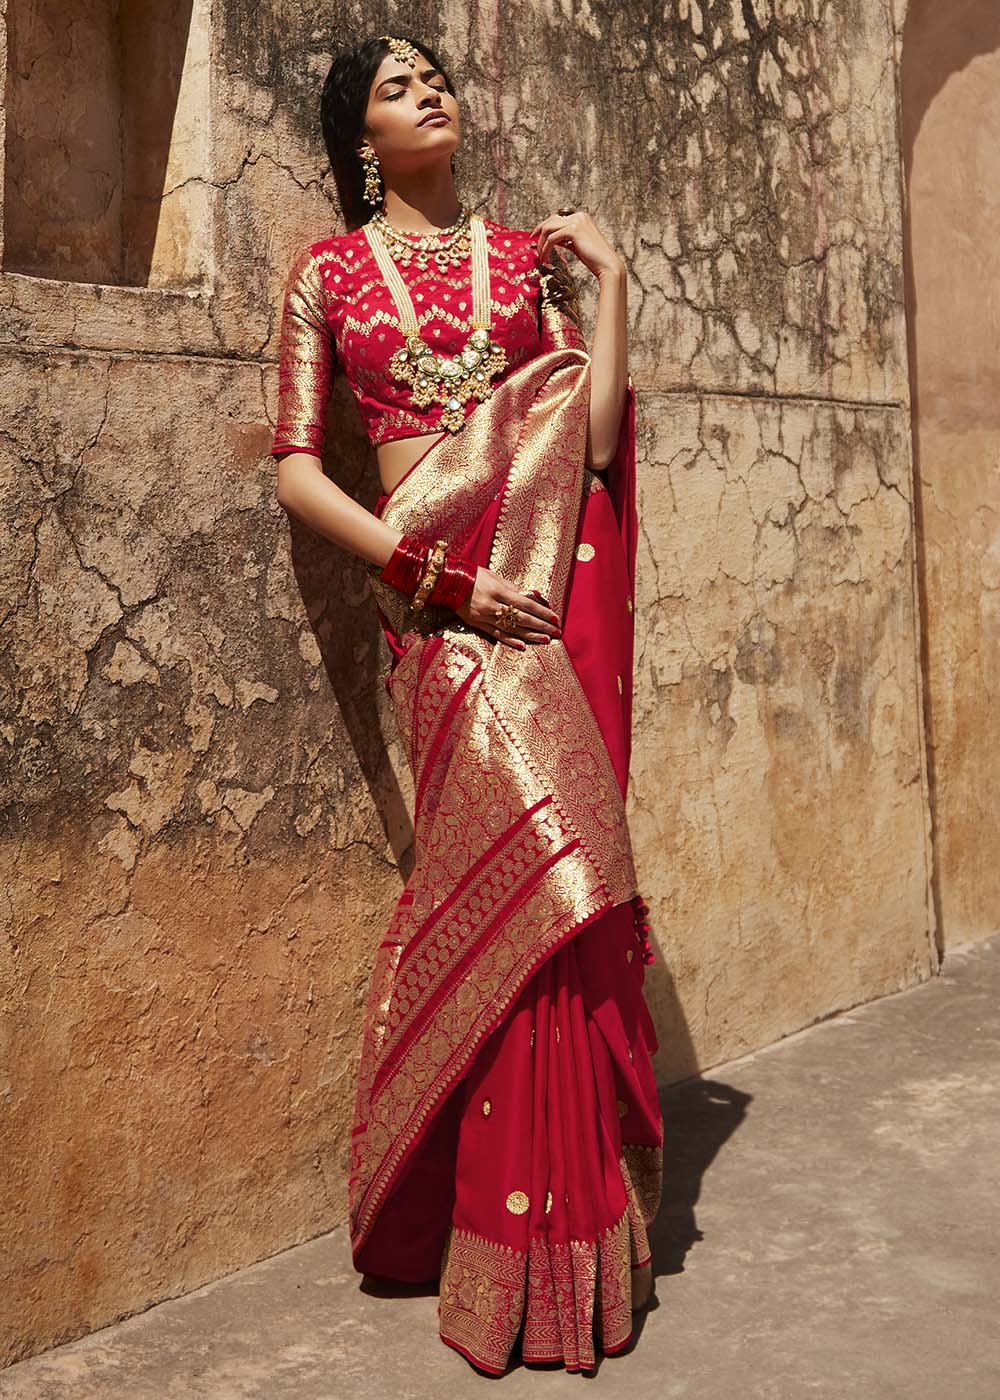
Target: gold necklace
x,y
448,246
451,378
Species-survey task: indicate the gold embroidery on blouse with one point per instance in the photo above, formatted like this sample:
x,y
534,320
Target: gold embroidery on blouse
x,y
306,358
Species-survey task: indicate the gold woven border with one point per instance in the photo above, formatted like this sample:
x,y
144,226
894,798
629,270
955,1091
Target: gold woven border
x,y
556,1291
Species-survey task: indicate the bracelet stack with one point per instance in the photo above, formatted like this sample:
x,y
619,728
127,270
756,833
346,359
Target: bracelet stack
x,y
430,577
455,582
429,574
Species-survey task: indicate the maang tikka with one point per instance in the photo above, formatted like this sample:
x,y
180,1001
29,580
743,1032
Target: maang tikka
x,y
401,49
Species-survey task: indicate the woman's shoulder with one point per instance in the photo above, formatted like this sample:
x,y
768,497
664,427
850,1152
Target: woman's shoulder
x,y
335,247
499,231
329,263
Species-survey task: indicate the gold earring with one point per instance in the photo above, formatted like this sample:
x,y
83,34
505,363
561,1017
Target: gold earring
x,y
373,181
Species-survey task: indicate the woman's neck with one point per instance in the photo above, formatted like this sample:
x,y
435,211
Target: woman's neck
x,y
423,204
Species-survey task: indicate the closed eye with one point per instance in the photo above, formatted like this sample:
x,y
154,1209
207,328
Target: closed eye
x,y
392,96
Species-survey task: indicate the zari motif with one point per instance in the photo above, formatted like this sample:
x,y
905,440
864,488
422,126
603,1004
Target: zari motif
x,y
555,1291
507,869
523,860
338,314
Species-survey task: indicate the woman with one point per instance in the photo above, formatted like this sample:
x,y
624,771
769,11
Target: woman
x,y
507,1137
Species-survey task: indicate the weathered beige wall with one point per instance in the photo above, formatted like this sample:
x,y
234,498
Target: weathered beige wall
x,y
951,120
205,798
108,140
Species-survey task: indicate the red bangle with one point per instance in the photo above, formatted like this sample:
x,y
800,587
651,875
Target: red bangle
x,y
455,582
405,565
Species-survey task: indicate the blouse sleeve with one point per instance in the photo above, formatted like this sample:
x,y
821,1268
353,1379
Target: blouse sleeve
x,y
560,321
306,361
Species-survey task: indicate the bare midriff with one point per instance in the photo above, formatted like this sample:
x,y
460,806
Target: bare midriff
x,y
396,458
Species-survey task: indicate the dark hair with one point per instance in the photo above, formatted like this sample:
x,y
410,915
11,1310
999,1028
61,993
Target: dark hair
x,y
342,108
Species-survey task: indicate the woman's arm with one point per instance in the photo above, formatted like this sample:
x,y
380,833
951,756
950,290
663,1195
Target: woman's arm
x,y
307,366
609,349
305,492
608,364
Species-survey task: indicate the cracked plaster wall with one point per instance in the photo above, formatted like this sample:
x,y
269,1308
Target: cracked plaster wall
x,y
206,798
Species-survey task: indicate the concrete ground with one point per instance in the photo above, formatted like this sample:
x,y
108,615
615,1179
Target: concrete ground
x,y
829,1229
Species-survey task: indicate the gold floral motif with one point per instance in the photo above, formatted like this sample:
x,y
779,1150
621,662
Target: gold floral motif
x,y
628,604
557,1035
642,1167
619,680
585,551
487,1108
561,1293
306,358
622,1108
548,839
481,1297
628,958
548,1202
517,1203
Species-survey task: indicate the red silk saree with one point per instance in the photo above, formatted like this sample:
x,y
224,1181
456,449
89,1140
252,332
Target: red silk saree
x,y
507,1137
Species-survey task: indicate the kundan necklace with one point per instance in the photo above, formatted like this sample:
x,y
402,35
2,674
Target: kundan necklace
x,y
453,379
447,246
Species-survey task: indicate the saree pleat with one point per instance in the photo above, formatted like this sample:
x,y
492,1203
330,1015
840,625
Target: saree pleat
x,y
547,1223
507,1137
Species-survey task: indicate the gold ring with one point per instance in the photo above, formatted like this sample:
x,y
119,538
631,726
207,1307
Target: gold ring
x,y
566,209
507,617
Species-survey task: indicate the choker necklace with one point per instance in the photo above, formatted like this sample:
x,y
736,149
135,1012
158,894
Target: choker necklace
x,y
453,379
448,246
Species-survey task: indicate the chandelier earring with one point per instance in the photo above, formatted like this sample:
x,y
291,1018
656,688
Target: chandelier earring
x,y
373,178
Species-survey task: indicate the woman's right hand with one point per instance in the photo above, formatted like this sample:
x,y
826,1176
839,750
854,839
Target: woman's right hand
x,y
536,622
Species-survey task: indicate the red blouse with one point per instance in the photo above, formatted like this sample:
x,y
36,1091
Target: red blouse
x,y
338,311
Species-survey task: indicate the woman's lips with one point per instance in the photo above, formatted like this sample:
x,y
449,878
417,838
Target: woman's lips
x,y
435,117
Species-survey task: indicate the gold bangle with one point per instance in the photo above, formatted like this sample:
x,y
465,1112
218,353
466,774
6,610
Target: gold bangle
x,y
435,563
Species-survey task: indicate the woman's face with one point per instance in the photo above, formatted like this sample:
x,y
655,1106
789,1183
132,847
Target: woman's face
x,y
400,101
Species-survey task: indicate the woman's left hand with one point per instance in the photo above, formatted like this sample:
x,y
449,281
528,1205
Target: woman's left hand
x,y
578,232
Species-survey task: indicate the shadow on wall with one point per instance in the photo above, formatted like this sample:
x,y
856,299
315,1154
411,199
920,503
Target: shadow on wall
x,y
338,603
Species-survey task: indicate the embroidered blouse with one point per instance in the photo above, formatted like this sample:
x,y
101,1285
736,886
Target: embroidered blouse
x,y
338,311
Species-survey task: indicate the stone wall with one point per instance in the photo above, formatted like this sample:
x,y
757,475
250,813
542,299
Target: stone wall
x,y
207,805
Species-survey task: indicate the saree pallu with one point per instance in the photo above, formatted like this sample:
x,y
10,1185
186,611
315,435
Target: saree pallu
x,y
507,1137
